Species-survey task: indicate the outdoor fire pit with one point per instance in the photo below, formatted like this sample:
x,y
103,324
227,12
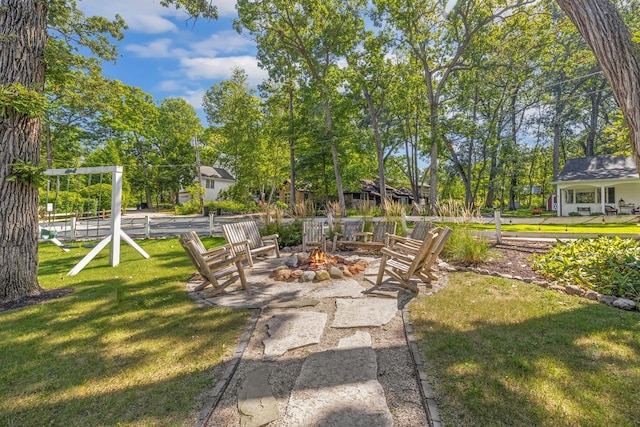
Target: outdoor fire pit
x,y
318,265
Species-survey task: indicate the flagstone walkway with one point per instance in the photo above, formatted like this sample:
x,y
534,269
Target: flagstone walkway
x,y
331,353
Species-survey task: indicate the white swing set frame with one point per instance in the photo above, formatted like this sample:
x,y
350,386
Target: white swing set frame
x,y
116,208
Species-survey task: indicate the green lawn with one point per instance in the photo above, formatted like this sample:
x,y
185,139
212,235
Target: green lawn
x,y
504,353
619,228
127,347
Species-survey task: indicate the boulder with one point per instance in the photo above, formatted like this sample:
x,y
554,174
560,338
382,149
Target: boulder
x,y
322,275
308,276
335,273
592,295
573,290
624,304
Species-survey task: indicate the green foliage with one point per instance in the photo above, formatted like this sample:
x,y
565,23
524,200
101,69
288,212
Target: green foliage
x,y
574,213
188,208
610,266
466,248
98,193
27,173
231,207
288,234
24,100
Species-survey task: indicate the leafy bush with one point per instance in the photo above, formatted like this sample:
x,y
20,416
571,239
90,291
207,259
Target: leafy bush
x,y
188,208
574,213
288,234
466,248
610,266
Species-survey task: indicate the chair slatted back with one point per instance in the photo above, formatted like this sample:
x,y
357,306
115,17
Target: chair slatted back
x,y
420,230
252,234
313,235
239,232
350,230
381,229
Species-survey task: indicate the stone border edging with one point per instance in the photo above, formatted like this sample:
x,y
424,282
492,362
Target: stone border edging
x,y
218,390
426,391
612,301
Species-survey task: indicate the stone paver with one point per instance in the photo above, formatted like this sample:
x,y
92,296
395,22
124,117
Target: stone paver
x,y
339,288
256,403
355,313
291,330
339,388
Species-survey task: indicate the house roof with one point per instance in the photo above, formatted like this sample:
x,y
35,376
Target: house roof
x,y
598,167
214,172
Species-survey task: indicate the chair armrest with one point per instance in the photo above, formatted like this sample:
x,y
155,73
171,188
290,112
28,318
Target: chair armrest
x,y
397,255
364,234
271,237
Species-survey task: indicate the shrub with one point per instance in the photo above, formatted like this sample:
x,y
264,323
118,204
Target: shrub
x,y
188,208
227,206
610,266
466,248
288,234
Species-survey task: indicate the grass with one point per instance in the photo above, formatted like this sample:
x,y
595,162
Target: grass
x,y
504,353
127,347
560,228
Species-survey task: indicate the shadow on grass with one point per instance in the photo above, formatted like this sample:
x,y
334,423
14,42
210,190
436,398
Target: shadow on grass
x,y
567,362
128,346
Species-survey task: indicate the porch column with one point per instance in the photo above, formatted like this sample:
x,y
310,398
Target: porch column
x,y
559,200
602,199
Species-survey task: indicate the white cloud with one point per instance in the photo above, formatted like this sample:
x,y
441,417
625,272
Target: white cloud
x,y
194,97
171,85
223,42
159,48
220,68
147,16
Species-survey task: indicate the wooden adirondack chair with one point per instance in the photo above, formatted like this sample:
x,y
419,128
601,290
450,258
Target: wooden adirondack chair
x,y
418,234
404,266
313,235
215,264
375,240
247,231
428,271
348,233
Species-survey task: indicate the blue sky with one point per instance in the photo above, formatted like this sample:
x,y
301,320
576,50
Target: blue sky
x,y
166,54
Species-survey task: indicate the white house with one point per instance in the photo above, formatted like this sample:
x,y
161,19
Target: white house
x,y
607,184
214,180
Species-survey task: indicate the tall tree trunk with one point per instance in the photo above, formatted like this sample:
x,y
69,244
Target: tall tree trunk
x,y
433,176
376,137
23,37
334,157
604,31
292,158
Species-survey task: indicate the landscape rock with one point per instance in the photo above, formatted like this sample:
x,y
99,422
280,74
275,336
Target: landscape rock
x,y
624,304
346,272
296,274
322,275
607,299
335,273
592,295
282,275
558,288
308,276
256,403
573,290
291,261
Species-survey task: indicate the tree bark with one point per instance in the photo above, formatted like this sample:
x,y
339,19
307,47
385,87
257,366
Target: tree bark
x,y
603,29
23,38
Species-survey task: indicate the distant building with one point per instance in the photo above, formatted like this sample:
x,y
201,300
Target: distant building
x,y
214,180
606,184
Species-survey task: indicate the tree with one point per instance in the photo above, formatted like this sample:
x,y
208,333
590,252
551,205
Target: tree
x,y
604,30
24,62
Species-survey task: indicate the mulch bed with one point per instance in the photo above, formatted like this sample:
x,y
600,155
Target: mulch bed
x,y
44,296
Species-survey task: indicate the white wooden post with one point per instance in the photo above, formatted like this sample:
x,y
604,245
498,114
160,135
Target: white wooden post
x,y
496,215
147,227
403,220
210,225
72,227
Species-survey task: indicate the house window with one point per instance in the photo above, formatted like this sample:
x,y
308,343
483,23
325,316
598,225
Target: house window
x,y
209,183
586,196
610,195
568,196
